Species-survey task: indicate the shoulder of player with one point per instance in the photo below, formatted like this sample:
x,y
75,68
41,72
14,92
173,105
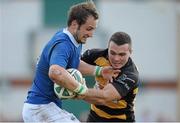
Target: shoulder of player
x,y
91,55
130,67
129,71
96,52
61,37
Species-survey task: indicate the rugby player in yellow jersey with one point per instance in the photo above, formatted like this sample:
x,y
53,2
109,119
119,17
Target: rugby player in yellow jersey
x,y
113,101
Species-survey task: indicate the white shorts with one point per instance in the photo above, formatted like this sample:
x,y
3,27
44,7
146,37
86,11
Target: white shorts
x,y
46,113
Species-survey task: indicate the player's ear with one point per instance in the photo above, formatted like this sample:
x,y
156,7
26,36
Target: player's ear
x,y
130,51
74,24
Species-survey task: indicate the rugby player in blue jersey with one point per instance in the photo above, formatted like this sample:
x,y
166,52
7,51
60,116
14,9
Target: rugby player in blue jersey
x,y
60,53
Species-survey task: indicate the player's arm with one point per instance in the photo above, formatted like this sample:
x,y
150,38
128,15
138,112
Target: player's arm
x,y
106,72
120,87
57,72
60,76
102,96
86,69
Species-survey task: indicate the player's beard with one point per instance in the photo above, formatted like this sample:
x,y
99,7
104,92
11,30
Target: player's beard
x,y
76,36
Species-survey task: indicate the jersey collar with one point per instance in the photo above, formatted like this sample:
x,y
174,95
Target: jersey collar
x,y
65,30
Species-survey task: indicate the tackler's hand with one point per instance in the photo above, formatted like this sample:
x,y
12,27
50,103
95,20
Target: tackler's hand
x,y
109,73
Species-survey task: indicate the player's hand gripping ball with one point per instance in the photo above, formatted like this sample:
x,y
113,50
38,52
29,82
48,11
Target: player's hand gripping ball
x,y
64,93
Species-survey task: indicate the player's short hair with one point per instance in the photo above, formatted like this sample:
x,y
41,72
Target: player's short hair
x,y
81,11
121,38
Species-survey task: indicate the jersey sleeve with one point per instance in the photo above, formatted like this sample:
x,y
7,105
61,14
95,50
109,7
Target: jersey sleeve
x,y
88,57
60,54
125,83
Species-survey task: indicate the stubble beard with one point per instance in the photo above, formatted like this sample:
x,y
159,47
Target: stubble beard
x,y
76,36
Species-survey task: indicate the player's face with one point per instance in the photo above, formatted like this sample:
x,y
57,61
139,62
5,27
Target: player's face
x,y
86,30
118,54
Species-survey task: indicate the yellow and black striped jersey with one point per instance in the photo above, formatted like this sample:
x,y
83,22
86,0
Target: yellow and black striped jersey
x,y
126,83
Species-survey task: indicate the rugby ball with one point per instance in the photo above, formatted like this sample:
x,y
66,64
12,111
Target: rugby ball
x,y
64,93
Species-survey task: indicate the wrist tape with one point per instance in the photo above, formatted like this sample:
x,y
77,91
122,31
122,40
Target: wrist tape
x,y
97,71
81,89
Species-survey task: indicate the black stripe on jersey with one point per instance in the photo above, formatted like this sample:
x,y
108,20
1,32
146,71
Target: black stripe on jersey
x,y
93,117
113,111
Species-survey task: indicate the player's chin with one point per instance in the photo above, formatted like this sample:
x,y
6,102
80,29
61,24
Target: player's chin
x,y
116,66
83,41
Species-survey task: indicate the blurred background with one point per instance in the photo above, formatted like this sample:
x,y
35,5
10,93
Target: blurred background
x,y
154,26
